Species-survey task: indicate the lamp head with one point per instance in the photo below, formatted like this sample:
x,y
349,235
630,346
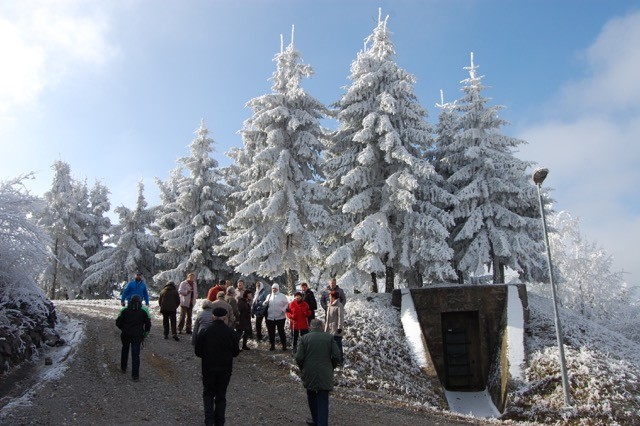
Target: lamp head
x,y
540,175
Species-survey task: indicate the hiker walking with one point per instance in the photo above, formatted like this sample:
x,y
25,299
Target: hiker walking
x,y
217,345
135,286
135,323
317,356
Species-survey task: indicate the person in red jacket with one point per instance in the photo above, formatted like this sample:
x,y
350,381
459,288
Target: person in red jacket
x,y
298,313
212,295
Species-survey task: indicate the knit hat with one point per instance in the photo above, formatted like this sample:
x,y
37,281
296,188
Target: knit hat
x,y
276,286
219,312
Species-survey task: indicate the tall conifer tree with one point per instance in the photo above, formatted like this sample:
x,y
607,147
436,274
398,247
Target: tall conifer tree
x,y
496,218
387,221
276,230
193,217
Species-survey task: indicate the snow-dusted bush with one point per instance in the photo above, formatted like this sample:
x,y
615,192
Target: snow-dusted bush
x,y
603,369
23,255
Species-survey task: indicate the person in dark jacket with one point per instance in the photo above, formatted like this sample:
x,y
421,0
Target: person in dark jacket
x,y
333,286
317,356
310,298
217,345
135,323
258,308
169,301
244,321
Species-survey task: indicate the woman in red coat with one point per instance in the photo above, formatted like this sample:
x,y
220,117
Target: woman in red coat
x,y
298,313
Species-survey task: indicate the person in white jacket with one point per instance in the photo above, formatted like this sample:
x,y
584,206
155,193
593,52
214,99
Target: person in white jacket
x,y
276,304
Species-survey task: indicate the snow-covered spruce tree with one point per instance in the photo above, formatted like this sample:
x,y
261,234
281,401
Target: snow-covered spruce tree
x,y
24,309
191,222
497,221
387,219
98,225
129,248
63,221
276,230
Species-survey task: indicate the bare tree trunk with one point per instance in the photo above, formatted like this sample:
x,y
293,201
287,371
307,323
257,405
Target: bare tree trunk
x,y
374,283
291,282
52,290
389,279
498,271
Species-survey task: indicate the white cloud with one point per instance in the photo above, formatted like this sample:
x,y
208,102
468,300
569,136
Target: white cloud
x,y
42,42
591,144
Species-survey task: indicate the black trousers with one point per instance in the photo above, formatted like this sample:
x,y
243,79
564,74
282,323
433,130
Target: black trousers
x,y
166,319
259,327
214,397
271,328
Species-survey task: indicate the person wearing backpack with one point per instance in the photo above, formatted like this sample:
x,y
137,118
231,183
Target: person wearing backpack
x,y
135,323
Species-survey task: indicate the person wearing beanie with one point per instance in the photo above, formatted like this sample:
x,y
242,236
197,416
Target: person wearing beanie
x,y
317,356
217,345
135,323
276,307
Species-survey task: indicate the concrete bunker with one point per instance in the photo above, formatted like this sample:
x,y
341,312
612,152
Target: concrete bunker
x,y
465,332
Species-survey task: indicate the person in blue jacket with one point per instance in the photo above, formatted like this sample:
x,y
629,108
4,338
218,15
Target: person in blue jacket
x,y
137,286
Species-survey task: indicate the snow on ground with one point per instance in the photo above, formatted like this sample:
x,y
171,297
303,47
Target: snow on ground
x,y
412,329
515,333
475,404
72,331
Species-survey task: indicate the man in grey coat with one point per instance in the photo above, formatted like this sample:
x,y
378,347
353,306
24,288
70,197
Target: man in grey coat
x,y
317,356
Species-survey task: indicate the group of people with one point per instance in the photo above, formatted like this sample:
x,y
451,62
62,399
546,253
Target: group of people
x,y
225,320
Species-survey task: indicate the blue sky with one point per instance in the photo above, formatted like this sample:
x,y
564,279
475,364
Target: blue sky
x,y
116,89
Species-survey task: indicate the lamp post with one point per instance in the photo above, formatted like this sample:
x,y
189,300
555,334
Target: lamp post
x,y
538,177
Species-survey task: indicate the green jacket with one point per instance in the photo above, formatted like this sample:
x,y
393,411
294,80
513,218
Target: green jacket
x,y
317,356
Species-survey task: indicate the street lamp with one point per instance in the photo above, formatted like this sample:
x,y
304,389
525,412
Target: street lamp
x,y
538,177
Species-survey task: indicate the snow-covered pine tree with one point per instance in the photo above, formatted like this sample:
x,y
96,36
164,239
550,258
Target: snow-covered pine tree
x,y
276,230
196,215
497,223
96,230
129,248
387,220
99,224
63,221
